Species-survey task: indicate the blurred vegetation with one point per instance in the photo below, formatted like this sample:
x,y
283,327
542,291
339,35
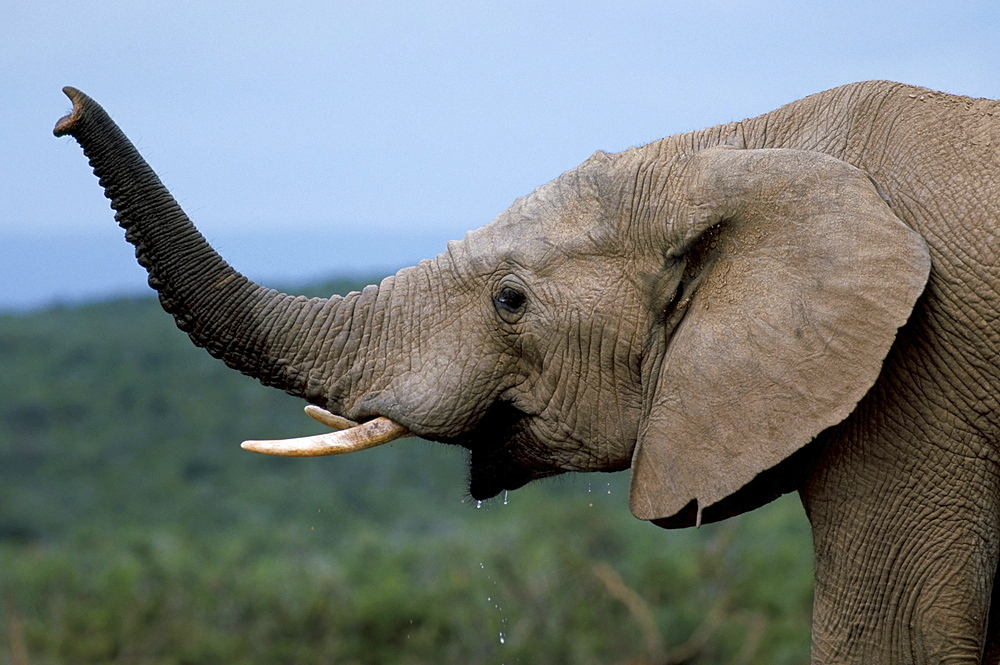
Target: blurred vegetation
x,y
134,530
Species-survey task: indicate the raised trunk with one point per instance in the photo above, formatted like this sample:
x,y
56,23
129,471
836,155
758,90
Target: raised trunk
x,y
258,331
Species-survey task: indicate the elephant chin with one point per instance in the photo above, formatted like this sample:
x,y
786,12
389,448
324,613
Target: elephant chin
x,y
490,474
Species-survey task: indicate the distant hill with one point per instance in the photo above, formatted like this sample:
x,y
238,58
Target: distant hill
x,y
133,529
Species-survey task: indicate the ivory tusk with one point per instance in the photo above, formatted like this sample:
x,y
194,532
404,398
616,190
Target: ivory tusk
x,y
332,421
351,437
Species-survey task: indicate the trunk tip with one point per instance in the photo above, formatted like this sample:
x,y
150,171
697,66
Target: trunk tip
x,y
68,123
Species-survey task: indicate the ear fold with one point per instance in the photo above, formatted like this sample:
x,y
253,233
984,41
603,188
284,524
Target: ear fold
x,y
806,277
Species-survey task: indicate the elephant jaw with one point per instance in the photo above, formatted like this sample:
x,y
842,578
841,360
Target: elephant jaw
x,y
348,437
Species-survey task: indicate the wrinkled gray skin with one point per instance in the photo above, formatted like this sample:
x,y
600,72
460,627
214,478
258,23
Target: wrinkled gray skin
x,y
807,300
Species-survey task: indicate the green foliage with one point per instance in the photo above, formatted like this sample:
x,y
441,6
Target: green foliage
x,y
134,530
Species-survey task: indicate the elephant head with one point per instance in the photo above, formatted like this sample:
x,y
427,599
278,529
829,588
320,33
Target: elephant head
x,y
697,313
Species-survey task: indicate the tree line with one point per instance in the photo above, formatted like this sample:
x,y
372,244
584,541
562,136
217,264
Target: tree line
x,y
133,529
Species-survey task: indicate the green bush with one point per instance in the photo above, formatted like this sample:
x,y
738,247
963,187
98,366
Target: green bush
x,y
134,530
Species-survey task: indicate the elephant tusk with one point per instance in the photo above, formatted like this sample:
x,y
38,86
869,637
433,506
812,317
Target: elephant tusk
x,y
349,438
332,421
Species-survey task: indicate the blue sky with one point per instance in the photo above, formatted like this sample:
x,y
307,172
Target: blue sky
x,y
308,139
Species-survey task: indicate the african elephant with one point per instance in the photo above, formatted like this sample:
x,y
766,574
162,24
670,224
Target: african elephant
x,y
803,301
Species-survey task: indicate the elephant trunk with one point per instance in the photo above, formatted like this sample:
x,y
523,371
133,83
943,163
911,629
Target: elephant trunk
x,y
258,331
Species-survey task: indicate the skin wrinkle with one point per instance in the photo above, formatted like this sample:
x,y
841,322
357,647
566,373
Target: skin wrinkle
x,y
336,336
594,351
967,377
891,566
360,310
619,415
247,325
303,319
865,137
932,364
378,347
857,106
345,375
643,197
557,393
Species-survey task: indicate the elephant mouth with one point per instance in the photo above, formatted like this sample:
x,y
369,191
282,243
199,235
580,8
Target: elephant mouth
x,y
498,453
491,474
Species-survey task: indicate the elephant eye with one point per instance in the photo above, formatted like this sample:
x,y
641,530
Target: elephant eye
x,y
509,303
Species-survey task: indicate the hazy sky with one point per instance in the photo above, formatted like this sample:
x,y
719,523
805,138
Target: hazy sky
x,y
302,135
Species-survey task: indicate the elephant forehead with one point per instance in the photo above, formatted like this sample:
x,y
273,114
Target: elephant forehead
x,y
524,243
536,235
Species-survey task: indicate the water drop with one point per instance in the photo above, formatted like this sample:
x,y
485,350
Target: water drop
x,y
501,638
505,497
479,504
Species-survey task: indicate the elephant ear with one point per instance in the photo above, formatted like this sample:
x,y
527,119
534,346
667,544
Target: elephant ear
x,y
799,276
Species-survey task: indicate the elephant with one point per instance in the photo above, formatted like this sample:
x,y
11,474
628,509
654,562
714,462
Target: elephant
x,y
804,301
